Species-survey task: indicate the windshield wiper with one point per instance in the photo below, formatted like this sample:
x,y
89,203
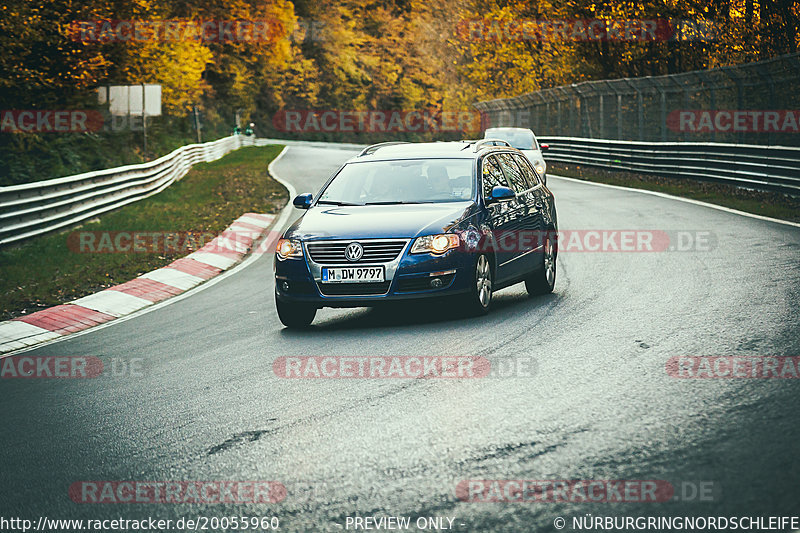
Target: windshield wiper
x,y
330,202
393,202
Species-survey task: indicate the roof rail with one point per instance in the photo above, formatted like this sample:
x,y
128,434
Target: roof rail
x,y
373,147
489,142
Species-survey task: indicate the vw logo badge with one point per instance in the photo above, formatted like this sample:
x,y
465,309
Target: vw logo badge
x,y
354,251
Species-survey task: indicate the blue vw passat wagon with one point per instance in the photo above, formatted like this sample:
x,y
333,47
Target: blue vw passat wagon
x,y
407,221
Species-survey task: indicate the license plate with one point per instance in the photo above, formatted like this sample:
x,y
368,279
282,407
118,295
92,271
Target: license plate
x,y
366,274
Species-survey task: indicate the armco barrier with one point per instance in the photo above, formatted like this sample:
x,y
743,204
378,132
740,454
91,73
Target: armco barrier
x,y
766,168
31,209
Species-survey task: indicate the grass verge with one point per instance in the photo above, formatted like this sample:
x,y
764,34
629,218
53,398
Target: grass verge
x,y
767,204
44,271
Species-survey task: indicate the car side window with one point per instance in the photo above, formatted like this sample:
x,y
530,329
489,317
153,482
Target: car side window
x,y
527,170
492,176
514,174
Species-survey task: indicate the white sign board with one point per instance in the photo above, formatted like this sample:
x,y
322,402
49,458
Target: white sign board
x,y
130,99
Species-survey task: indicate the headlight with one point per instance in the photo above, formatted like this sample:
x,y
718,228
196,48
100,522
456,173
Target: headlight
x,y
289,248
435,244
539,168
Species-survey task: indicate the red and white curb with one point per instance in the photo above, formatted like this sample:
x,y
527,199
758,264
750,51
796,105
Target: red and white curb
x,y
227,249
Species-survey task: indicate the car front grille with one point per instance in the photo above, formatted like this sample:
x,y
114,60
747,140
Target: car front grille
x,y
354,289
375,251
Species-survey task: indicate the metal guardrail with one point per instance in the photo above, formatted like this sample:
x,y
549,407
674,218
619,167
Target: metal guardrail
x,y
765,168
32,209
640,108
35,208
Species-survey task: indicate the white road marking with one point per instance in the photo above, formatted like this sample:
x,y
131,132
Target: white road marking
x,y
17,334
115,303
254,221
173,277
216,260
241,229
228,243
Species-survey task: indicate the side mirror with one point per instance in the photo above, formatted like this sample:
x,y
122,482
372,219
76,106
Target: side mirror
x,y
303,201
544,147
502,194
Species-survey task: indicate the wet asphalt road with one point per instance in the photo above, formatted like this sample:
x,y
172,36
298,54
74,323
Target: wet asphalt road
x,y
598,403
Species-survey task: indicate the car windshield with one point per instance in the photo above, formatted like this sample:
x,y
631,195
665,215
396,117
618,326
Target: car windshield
x,y
519,139
400,182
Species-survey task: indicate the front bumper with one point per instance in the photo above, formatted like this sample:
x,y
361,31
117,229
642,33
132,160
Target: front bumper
x,y
407,277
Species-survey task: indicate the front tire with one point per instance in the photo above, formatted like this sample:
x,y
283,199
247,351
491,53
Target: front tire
x,y
295,315
543,279
479,299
